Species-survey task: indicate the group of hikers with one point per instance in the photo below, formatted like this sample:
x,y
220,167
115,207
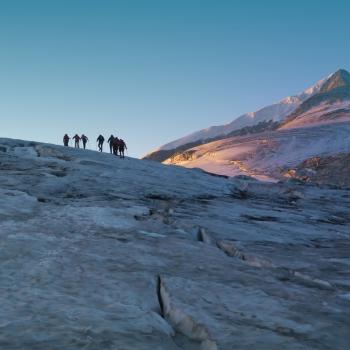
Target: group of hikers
x,y
116,146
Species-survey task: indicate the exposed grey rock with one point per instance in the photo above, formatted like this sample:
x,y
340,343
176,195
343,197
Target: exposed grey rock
x,y
203,236
230,249
84,235
182,321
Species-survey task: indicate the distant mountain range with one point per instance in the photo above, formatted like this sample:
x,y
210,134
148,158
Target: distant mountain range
x,y
267,142
276,112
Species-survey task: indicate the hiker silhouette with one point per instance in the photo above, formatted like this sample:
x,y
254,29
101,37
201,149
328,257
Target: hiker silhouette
x,y
122,147
66,139
76,138
110,141
115,146
85,139
100,140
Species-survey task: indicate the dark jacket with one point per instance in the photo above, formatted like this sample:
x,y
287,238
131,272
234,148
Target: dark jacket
x,y
111,139
100,139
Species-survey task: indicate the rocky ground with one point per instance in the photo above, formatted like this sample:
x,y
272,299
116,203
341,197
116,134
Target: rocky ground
x,y
333,169
102,253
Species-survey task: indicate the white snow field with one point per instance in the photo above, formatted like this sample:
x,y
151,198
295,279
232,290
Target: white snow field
x,y
264,155
102,253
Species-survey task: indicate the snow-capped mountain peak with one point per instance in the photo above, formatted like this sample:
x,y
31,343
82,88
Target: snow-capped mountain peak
x,y
314,89
340,79
290,100
276,112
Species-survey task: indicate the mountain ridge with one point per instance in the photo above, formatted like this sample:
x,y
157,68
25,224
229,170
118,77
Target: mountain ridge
x,y
276,113
333,95
341,78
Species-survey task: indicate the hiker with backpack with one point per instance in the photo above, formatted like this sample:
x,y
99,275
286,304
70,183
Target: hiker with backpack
x,y
66,139
110,141
76,138
100,140
85,139
115,146
122,147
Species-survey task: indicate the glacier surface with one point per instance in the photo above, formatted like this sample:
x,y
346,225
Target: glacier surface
x,y
102,253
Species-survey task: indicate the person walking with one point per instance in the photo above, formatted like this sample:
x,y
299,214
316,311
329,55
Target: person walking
x,y
122,147
115,146
66,139
85,139
76,138
100,140
110,141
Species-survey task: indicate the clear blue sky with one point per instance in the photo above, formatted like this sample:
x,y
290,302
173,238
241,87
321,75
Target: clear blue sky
x,y
155,70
